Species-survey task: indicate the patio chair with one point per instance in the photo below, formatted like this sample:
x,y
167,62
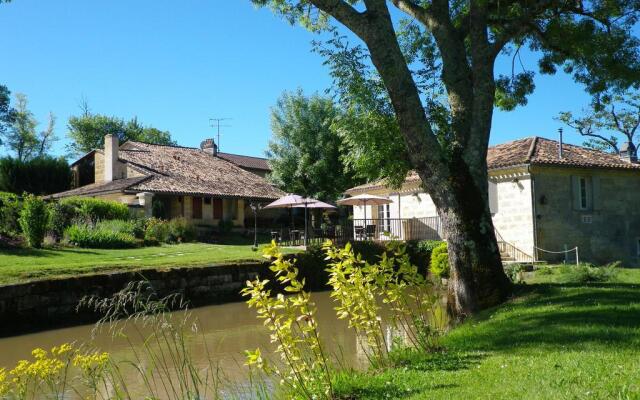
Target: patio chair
x,y
370,232
359,232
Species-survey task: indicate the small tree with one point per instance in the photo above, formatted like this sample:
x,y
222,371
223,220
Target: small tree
x,y
22,137
6,112
34,220
306,155
609,118
87,131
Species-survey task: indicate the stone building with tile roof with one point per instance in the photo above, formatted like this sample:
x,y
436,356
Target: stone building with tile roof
x,y
173,181
544,196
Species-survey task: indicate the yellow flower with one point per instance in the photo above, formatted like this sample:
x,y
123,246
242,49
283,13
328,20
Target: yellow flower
x,y
39,353
61,350
91,362
20,368
4,385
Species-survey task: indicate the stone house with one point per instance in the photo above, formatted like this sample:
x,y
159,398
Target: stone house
x,y
200,184
543,196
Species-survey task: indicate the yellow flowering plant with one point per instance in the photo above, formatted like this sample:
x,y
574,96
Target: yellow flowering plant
x,y
46,373
355,288
4,384
92,367
361,288
304,369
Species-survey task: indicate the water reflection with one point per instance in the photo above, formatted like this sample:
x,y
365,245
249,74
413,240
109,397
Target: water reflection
x,y
223,333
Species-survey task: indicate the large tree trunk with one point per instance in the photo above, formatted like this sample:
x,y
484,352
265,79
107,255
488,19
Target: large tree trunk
x,y
477,279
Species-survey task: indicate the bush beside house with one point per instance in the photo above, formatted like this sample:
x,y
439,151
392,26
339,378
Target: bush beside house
x,y
84,222
99,236
34,219
10,206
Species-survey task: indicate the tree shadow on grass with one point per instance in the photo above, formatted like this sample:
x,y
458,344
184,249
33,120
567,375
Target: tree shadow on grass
x,y
558,315
45,252
437,361
390,390
399,382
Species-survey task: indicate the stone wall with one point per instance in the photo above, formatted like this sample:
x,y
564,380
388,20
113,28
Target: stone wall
x,y
99,167
513,213
607,230
47,304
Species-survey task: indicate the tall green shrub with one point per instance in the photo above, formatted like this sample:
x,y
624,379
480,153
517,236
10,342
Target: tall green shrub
x,y
157,231
34,219
42,175
61,216
97,210
182,230
93,210
440,261
10,206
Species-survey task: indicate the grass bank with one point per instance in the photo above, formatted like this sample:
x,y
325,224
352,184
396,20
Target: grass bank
x,y
556,339
18,265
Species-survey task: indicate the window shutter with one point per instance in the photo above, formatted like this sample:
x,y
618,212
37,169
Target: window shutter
x,y
197,208
493,197
596,196
217,208
575,192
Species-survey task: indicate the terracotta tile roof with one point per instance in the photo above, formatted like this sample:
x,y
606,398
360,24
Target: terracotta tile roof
x,y
100,188
509,154
536,151
186,170
545,152
246,161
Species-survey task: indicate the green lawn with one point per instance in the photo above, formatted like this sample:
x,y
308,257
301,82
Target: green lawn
x,y
555,340
25,264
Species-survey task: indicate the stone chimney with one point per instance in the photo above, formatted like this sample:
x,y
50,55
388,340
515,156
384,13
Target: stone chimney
x,y
111,146
629,153
209,146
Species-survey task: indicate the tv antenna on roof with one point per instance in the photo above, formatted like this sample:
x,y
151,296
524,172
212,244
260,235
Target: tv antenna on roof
x,y
215,123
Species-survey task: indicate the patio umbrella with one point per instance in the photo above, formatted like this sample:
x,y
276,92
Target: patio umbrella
x,y
294,201
364,200
316,204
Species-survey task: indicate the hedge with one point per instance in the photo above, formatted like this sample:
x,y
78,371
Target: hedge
x,y
10,206
34,219
97,237
40,176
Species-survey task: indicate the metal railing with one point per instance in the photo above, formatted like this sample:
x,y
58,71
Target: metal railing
x,y
375,229
513,253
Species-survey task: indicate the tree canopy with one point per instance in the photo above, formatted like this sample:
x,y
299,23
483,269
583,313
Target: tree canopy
x,y
6,113
428,67
305,153
610,120
20,135
87,131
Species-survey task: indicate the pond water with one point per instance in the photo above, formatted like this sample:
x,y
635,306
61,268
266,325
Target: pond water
x,y
224,332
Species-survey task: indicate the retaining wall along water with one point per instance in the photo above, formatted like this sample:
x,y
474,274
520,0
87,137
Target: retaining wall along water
x,y
47,304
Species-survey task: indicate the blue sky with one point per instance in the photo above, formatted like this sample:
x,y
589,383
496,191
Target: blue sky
x,y
174,65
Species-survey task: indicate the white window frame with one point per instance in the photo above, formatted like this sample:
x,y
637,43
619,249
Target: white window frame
x,y
493,197
384,217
